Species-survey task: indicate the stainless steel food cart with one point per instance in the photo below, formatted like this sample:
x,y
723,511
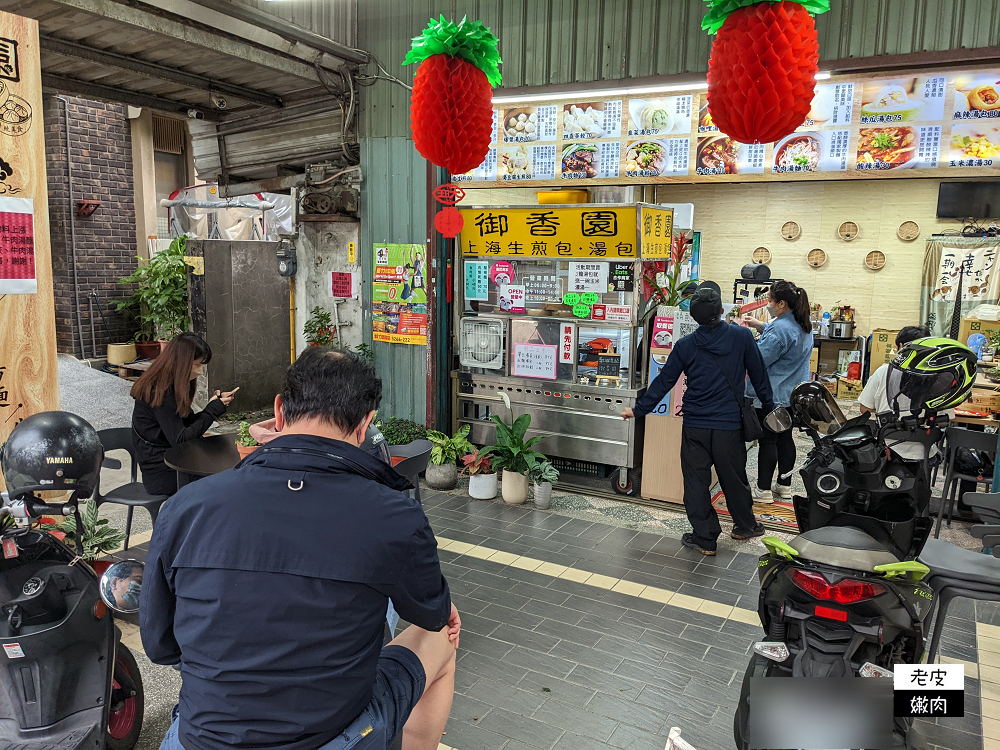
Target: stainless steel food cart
x,y
547,324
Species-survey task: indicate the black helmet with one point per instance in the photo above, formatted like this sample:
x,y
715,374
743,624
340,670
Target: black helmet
x,y
932,374
54,450
375,444
812,405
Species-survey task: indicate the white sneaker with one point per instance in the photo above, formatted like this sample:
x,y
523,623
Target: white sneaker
x,y
761,496
784,491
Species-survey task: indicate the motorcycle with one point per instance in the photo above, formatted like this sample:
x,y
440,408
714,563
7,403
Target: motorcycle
x,y
70,682
845,598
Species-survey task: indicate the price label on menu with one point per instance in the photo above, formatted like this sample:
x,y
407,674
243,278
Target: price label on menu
x,y
485,172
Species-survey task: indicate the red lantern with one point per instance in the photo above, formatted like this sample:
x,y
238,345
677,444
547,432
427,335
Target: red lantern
x,y
448,221
762,72
451,108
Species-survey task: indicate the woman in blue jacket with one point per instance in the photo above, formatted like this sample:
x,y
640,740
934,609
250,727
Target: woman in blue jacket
x,y
786,343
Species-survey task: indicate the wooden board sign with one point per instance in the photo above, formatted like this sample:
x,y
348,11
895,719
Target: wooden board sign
x,y
28,365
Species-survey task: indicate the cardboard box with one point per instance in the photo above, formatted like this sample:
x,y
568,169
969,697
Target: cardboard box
x,y
883,340
984,401
831,384
814,361
849,389
829,357
970,326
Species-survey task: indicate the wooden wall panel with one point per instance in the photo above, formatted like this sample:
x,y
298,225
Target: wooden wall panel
x,y
29,382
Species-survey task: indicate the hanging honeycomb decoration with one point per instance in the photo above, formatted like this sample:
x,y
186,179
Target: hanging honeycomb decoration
x,y
761,255
816,257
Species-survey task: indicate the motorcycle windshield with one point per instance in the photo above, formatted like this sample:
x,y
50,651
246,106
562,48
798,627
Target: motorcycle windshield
x,y
816,407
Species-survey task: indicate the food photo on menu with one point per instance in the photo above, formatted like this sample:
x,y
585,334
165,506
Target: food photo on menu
x,y
974,144
888,148
520,124
592,120
515,163
903,100
646,159
589,160
705,122
815,151
977,95
667,116
719,154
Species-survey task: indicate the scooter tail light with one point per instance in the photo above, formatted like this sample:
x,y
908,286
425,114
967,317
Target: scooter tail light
x,y
773,650
845,591
873,670
100,610
829,613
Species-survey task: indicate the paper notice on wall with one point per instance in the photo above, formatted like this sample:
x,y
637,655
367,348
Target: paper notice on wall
x,y
683,325
511,298
588,277
566,339
477,277
17,246
343,284
535,361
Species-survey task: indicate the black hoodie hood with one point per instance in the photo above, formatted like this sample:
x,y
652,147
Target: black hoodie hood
x,y
717,338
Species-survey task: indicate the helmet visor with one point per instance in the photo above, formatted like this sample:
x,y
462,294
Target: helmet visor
x,y
912,392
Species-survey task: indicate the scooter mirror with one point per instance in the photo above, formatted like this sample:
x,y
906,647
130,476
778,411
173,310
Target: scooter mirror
x,y
779,420
121,585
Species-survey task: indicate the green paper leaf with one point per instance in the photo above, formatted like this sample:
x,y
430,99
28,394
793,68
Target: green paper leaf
x,y
581,311
719,10
571,298
590,298
468,40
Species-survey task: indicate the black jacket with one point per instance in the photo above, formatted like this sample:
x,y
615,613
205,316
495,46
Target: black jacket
x,y
270,583
709,401
157,428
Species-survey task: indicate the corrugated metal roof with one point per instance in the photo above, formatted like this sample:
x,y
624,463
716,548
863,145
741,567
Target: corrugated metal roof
x,y
334,19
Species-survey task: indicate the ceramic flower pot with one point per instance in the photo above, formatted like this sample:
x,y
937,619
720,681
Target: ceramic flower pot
x,y
515,487
147,349
246,450
483,486
441,476
543,494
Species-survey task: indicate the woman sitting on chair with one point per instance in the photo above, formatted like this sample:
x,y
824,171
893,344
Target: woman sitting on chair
x,y
162,416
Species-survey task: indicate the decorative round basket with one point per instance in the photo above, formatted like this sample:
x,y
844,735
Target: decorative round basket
x,y
790,230
847,231
761,255
875,260
908,231
816,257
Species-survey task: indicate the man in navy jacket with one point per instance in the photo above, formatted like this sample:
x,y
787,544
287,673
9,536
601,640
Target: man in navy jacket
x,y
712,433
269,585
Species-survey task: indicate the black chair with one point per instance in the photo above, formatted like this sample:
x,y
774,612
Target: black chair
x,y
959,437
986,505
132,494
416,456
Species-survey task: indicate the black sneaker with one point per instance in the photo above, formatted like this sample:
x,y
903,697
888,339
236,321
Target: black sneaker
x,y
742,536
688,540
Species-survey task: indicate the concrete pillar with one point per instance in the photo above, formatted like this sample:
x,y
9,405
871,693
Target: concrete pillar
x,y
144,174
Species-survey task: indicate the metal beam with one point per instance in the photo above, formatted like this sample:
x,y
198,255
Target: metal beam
x,y
170,24
285,29
155,70
961,56
125,96
267,119
270,185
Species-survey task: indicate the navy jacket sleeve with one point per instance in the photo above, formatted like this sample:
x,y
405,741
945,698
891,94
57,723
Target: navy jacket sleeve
x,y
180,430
757,370
660,386
421,596
157,604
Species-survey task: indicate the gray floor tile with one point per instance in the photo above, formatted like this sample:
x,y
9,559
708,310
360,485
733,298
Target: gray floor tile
x,y
721,674
509,616
516,727
714,692
631,649
657,623
607,625
528,638
595,606
632,602
541,592
508,696
605,681
712,595
669,702
575,589
634,714
643,540
571,741
576,526
488,579
561,690
477,624
484,645
486,667
538,580
652,674
569,633
461,735
507,599
468,605
468,710
579,720
539,662
569,539
631,738
580,654
553,611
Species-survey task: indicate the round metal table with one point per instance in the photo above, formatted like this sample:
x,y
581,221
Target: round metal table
x,y
202,457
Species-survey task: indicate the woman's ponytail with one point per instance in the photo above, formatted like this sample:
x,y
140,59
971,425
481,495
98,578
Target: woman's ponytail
x,y
797,300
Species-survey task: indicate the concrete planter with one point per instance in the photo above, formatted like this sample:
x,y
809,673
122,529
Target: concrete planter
x,y
483,486
441,476
543,495
514,488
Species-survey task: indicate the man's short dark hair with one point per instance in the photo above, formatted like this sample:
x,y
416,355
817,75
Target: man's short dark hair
x,y
334,385
911,333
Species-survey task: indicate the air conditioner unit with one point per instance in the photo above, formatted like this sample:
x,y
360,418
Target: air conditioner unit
x,y
482,342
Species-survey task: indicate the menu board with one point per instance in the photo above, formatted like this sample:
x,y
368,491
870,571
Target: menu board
x,y
535,361
487,171
864,126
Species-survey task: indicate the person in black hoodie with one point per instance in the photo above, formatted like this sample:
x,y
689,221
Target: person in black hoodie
x,y
713,358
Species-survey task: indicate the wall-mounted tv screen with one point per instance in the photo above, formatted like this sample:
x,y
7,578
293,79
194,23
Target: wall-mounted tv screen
x,y
969,200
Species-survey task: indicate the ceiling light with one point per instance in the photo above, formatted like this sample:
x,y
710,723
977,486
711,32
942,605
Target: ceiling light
x,y
822,76
591,95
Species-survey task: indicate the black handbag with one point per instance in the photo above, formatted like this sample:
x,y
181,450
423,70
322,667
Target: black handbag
x,y
751,424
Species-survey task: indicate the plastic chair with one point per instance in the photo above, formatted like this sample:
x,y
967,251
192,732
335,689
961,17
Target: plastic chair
x,y
416,456
132,494
959,437
987,506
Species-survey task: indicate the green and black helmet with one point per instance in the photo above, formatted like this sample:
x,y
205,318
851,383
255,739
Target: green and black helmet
x,y
932,374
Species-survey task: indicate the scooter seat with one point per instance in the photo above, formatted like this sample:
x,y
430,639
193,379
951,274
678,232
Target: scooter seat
x,y
842,547
959,564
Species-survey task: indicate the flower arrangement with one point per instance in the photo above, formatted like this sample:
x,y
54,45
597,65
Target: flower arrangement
x,y
669,292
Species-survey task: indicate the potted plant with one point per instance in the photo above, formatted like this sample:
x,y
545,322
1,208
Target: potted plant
x,y
245,443
319,328
442,473
401,431
514,455
482,476
543,475
160,301
97,537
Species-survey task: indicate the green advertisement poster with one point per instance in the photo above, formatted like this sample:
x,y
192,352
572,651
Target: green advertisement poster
x,y
399,296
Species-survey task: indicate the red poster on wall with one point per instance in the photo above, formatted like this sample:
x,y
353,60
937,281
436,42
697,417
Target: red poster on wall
x,y
17,247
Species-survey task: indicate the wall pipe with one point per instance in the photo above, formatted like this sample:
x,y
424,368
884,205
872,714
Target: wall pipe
x,y
72,227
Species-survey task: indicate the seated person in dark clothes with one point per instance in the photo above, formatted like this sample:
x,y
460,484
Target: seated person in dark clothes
x,y
162,416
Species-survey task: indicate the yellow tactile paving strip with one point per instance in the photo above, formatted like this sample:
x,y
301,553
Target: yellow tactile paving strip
x,y
988,642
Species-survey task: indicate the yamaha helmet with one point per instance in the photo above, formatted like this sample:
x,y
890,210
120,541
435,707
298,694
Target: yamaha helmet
x,y
932,374
376,445
52,451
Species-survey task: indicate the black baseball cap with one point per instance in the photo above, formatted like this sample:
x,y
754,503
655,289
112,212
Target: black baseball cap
x,y
706,305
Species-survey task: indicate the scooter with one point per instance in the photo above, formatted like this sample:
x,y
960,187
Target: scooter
x,y
845,598
70,682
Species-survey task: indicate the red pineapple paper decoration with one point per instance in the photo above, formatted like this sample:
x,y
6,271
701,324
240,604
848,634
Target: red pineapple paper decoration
x,y
762,72
451,108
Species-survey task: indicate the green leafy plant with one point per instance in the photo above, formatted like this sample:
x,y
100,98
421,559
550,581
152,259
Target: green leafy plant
x,y
366,352
720,9
477,463
446,449
97,537
159,304
512,451
543,471
669,293
319,328
401,431
245,438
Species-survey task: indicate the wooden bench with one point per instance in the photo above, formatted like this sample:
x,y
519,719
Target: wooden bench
x,y
134,370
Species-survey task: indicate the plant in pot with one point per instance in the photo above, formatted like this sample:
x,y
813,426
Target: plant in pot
x,y
442,472
401,431
97,537
543,475
160,301
245,443
482,476
319,328
514,455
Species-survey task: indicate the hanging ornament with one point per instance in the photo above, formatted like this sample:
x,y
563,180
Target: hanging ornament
x,y
762,72
448,221
451,108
